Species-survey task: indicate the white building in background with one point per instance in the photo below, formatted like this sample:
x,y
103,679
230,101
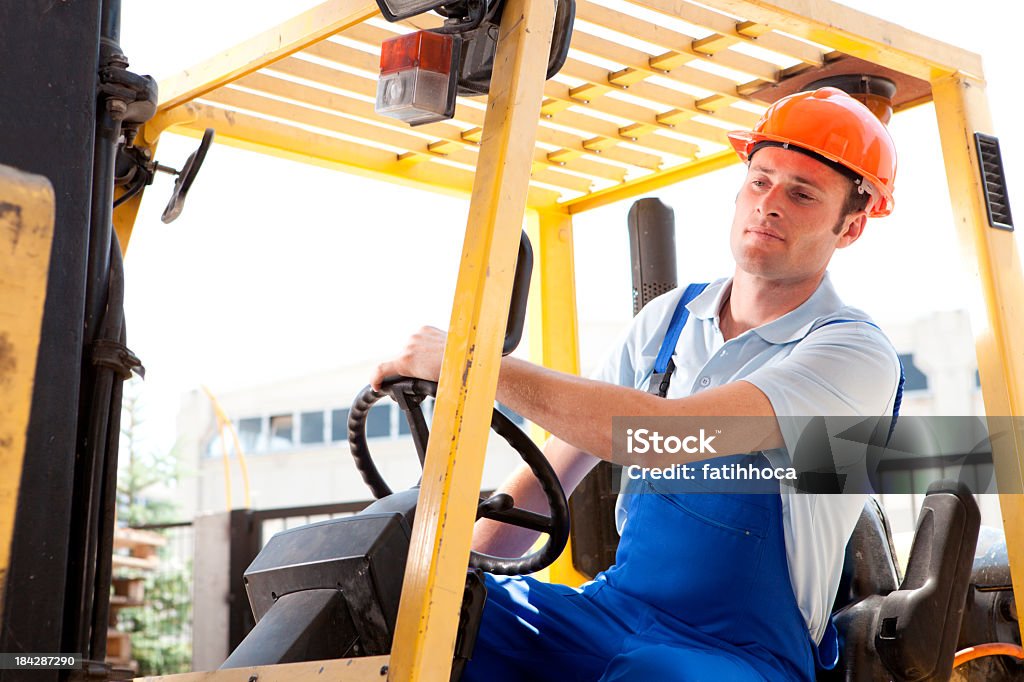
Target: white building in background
x,y
294,438
294,435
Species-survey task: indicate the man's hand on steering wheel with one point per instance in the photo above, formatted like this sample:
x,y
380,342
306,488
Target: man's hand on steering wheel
x,y
410,378
420,359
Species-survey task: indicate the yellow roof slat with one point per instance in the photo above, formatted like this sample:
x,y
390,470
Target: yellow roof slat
x,y
679,48
292,36
448,135
730,32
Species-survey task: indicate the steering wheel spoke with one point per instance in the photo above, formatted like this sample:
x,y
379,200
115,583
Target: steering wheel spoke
x,y
522,518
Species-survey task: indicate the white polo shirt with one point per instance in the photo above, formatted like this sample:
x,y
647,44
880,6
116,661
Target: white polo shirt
x,y
838,370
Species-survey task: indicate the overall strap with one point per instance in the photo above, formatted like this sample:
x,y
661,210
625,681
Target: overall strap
x,y
663,365
899,387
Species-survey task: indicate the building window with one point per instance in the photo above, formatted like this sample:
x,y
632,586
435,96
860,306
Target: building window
x,y
281,431
249,431
312,428
378,421
214,447
916,380
339,425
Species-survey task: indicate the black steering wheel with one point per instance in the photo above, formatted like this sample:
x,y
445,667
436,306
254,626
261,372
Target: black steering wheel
x,y
410,394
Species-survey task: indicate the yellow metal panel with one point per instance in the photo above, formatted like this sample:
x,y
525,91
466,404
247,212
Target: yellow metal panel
x,y
124,219
369,669
428,614
855,33
26,238
279,42
554,335
651,183
962,110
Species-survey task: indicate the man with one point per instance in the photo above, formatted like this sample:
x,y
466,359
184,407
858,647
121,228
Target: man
x,y
710,586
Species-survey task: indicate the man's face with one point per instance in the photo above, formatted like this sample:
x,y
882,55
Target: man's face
x,y
787,214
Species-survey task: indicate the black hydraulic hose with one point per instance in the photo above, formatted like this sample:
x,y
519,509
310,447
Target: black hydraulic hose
x,y
104,425
108,514
131,191
108,130
107,471
110,20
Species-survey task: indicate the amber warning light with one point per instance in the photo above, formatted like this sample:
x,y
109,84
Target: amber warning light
x,y
418,77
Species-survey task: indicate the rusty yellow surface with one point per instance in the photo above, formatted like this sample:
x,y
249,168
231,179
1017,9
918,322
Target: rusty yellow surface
x,y
26,237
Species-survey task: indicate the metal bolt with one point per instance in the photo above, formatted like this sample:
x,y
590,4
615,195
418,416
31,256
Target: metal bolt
x,y
383,670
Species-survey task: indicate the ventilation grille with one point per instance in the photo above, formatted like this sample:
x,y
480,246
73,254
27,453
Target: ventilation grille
x,y
993,179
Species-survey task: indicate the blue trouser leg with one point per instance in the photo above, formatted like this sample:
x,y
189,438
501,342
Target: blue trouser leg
x,y
700,591
539,631
666,663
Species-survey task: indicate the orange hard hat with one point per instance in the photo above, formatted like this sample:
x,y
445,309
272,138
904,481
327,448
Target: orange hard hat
x,y
831,124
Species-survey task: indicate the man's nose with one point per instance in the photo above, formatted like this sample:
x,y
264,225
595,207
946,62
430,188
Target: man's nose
x,y
770,203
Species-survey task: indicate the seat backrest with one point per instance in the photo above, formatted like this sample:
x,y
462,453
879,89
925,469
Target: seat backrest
x,y
908,632
870,566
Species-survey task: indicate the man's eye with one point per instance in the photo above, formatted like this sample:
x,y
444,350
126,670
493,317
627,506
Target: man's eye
x,y
759,183
803,196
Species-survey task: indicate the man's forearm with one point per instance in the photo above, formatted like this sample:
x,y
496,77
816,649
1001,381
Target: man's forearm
x,y
579,411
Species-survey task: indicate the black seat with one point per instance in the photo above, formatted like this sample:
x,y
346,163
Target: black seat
x,y
870,566
906,630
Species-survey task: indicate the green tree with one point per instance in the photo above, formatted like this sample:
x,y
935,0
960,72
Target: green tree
x,y
161,630
142,468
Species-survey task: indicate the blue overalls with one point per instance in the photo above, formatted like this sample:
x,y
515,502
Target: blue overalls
x,y
700,590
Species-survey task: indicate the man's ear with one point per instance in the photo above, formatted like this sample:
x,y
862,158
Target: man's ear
x,y
853,228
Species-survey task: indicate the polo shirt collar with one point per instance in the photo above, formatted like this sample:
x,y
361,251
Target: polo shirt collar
x,y
791,327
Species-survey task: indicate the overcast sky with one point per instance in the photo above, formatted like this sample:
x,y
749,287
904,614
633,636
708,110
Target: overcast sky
x,y
277,269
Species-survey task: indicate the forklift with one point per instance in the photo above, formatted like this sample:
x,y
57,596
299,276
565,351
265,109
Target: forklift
x,y
70,194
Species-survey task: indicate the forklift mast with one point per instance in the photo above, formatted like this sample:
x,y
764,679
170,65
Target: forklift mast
x,y
71,94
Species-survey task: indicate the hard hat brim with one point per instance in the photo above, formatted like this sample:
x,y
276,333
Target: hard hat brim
x,y
743,142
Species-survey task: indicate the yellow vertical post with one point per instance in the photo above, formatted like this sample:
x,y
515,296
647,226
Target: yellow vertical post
x,y
428,613
26,237
554,330
962,110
